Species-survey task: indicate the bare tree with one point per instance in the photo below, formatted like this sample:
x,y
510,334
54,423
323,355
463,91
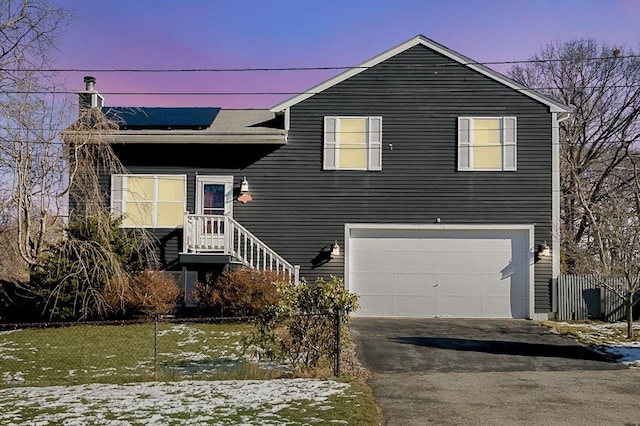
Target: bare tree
x,y
32,168
615,232
44,163
598,145
28,30
601,83
29,123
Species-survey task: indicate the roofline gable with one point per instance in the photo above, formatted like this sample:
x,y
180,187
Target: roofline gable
x,y
424,41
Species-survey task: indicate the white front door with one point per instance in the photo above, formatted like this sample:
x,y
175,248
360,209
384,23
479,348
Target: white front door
x,y
214,201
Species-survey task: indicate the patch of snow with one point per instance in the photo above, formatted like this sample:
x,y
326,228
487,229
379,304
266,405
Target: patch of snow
x,y
162,403
608,338
627,353
12,379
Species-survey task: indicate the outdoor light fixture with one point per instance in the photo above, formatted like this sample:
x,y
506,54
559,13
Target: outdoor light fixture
x,y
335,249
244,186
544,249
244,196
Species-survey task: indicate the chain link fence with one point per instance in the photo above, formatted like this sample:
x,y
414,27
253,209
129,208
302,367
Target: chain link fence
x,y
155,348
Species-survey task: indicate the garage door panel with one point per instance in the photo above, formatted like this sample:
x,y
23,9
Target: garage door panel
x,y
412,306
379,305
496,306
475,245
374,283
495,262
519,262
414,284
436,272
454,283
455,261
471,261
518,307
493,286
518,290
393,260
413,261
371,261
369,258
459,306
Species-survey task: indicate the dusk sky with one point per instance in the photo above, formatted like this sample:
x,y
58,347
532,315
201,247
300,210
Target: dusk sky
x,y
197,34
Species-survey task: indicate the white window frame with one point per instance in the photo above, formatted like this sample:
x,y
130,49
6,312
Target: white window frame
x,y
466,146
119,204
331,143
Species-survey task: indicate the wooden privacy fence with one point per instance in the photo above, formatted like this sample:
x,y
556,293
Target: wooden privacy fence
x,y
581,298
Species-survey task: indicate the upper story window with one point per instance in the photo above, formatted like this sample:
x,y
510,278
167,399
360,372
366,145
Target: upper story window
x,y
487,143
352,143
149,201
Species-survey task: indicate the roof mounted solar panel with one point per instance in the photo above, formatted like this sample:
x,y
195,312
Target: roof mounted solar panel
x,y
131,118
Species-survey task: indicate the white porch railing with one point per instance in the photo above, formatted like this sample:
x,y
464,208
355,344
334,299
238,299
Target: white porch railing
x,y
224,235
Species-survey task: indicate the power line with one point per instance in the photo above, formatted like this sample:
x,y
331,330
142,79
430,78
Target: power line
x,y
318,68
388,140
354,92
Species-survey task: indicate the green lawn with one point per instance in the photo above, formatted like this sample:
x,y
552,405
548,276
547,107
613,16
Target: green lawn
x,y
121,354
73,365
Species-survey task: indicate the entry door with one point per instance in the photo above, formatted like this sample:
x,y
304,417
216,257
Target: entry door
x,y
214,200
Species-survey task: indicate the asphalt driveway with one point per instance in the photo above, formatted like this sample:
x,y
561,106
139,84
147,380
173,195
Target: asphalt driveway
x,y
469,371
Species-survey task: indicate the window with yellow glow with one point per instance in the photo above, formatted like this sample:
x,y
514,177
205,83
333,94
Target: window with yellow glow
x,y
352,143
487,143
149,201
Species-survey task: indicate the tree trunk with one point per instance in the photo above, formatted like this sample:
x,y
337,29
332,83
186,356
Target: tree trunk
x,y
629,311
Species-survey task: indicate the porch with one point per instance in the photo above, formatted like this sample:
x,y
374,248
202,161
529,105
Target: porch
x,y
221,239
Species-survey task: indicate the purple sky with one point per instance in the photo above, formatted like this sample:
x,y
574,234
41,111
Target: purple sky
x,y
191,34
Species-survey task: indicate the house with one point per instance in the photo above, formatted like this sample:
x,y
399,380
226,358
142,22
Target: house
x,y
428,181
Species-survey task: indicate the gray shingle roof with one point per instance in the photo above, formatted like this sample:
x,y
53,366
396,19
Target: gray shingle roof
x,y
243,126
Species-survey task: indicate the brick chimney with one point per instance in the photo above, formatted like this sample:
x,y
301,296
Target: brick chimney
x,y
89,97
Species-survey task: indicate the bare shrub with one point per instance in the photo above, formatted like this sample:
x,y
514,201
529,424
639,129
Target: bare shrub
x,y
152,292
237,292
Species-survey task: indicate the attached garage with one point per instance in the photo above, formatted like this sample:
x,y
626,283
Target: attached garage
x,y
464,271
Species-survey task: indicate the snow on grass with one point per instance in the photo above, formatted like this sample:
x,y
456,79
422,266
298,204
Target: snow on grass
x,y
207,359
607,338
5,351
13,379
194,402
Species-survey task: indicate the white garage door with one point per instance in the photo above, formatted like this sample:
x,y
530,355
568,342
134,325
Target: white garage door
x,y
441,270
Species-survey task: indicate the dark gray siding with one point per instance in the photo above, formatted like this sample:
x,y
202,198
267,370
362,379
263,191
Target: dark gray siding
x,y
298,208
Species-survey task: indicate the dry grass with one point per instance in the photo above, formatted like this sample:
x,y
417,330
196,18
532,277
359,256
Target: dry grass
x,y
594,332
350,365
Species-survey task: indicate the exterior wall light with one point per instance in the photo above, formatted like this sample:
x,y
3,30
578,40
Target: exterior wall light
x,y
244,186
544,249
335,249
244,196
